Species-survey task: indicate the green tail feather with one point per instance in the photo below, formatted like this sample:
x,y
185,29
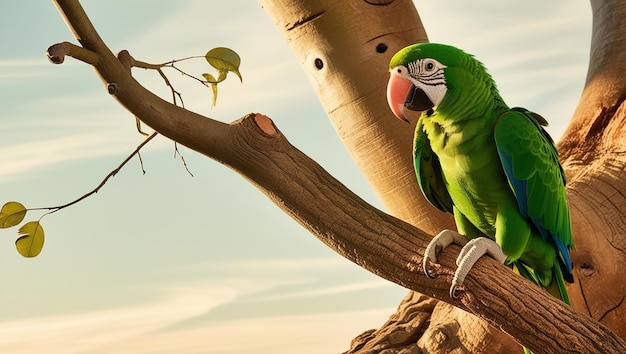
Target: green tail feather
x,y
556,288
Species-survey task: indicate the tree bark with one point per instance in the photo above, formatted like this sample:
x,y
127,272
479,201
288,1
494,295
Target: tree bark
x,y
379,242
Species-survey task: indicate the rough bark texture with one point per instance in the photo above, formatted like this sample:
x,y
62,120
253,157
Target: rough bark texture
x,y
592,151
379,242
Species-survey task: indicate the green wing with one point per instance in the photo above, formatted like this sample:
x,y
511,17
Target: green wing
x,y
531,164
428,171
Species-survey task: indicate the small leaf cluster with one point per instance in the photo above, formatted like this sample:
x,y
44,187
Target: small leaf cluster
x,y
31,235
225,60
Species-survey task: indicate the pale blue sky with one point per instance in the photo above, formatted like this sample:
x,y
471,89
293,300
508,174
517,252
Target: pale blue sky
x,y
164,262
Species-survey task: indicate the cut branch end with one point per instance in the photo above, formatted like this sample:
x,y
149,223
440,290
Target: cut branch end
x,y
265,124
56,53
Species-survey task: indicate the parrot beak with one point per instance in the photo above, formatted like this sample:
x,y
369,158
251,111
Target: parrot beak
x,y
397,91
402,94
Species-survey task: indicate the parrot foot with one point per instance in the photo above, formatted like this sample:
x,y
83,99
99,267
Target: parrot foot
x,y
470,253
444,239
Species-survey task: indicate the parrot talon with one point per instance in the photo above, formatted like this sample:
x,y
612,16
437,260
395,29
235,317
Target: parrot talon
x,y
427,270
444,239
470,253
453,292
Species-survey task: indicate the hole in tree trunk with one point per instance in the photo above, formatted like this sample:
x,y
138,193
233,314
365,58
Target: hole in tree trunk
x,y
381,48
319,64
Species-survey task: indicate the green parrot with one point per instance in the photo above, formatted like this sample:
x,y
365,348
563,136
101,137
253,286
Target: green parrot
x,y
493,167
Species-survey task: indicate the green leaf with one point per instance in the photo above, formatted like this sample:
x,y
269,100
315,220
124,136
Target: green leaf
x,y
31,239
11,214
224,59
221,75
213,82
210,78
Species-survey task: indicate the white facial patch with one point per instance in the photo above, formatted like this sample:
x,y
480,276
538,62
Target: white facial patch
x,y
435,93
428,75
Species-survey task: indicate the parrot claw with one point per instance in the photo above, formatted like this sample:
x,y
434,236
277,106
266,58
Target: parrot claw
x,y
427,262
453,292
427,271
470,253
444,239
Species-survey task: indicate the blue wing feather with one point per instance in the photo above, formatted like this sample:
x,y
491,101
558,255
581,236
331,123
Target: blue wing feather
x,y
519,186
550,215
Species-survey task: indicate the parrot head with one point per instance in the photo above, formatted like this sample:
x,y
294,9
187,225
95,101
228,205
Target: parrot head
x,y
427,76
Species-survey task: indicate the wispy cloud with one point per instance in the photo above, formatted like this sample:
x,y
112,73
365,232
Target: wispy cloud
x,y
310,334
156,327
333,290
21,63
26,68
22,158
84,332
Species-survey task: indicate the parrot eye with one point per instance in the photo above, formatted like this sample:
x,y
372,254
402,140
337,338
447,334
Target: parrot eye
x,y
425,67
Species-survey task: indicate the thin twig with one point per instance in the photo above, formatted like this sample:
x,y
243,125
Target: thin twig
x,y
203,82
104,181
176,96
143,170
182,158
144,65
170,64
138,125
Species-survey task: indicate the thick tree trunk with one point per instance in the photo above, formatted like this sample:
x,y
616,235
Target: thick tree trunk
x,y
340,52
593,150
379,242
344,47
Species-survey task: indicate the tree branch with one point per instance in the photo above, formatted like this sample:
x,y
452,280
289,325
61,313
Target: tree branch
x,y
56,53
376,241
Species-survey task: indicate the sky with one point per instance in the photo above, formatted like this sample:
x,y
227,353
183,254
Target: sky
x,y
164,262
